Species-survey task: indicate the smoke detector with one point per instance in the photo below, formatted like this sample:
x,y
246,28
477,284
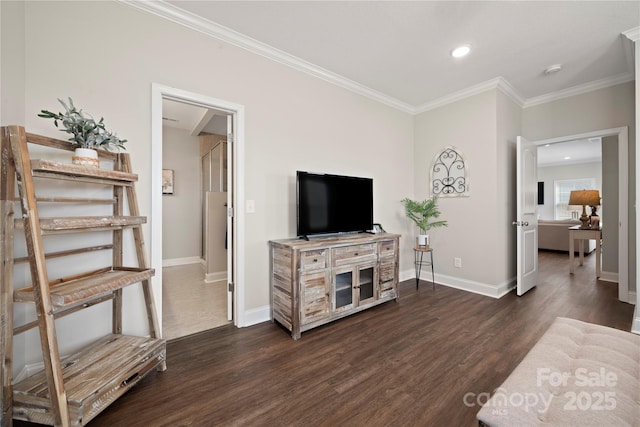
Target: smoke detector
x,y
551,69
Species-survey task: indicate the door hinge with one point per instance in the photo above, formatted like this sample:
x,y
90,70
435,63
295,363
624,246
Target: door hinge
x,y
230,212
230,287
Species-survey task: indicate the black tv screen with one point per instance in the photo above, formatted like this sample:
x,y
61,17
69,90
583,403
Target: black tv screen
x,y
328,204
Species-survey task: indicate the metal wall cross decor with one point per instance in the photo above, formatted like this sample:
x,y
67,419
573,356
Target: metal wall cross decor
x,y
449,174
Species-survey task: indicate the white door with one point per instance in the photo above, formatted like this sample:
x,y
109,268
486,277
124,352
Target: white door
x,y
206,186
527,215
230,215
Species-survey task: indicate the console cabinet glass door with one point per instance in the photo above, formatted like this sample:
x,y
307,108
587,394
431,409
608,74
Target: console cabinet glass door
x,y
343,288
316,290
365,289
354,286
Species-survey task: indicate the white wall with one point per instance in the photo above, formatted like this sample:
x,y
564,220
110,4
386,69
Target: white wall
x,y
293,121
181,211
477,222
12,85
550,174
12,63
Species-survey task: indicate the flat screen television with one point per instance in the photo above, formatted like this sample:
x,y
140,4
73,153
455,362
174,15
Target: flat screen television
x,y
330,204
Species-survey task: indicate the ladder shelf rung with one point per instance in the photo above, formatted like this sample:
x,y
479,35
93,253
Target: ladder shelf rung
x,y
51,169
58,254
84,223
77,289
93,378
65,311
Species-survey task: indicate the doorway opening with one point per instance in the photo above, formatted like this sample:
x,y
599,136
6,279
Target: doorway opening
x,y
196,141
617,216
194,252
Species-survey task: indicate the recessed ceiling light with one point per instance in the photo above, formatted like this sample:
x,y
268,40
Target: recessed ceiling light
x,y
568,158
461,51
553,69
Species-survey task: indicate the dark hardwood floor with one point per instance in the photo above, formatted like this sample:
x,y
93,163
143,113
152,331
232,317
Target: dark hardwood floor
x,y
398,364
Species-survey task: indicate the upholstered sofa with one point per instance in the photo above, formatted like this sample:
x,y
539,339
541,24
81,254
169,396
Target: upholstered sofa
x,y
577,374
554,235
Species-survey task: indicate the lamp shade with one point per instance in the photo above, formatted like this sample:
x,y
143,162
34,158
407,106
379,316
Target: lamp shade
x,y
584,197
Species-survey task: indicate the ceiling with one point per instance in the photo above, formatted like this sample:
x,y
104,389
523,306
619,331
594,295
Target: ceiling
x,y
193,119
400,50
570,152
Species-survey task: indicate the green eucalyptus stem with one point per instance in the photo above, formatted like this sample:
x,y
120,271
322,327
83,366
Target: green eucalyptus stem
x,y
85,131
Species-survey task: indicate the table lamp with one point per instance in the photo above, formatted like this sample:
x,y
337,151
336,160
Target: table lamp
x,y
584,198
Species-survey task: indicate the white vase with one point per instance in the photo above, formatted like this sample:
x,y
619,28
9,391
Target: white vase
x,y
86,157
423,239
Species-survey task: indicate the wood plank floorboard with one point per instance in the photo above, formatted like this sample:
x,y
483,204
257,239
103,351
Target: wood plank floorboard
x,y
406,363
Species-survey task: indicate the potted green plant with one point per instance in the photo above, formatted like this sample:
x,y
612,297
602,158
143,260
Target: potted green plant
x,y
422,213
87,134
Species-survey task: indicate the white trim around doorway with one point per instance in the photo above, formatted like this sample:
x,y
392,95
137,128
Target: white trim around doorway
x,y
158,93
623,202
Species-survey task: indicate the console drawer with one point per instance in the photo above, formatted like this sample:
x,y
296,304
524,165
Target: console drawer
x,y
387,248
354,254
387,273
313,260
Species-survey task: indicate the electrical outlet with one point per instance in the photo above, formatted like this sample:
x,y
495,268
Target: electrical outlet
x,y
457,262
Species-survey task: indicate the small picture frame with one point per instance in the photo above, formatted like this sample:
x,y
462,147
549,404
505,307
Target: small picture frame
x,y
167,181
377,228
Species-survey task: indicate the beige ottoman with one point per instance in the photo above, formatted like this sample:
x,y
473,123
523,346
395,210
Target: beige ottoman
x,y
577,374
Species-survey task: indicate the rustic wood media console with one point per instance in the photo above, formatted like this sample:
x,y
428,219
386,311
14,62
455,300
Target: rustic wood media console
x,y
324,279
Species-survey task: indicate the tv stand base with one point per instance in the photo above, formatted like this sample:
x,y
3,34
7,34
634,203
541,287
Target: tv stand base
x,y
317,281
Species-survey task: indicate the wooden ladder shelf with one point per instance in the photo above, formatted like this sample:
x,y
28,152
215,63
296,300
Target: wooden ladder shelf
x,y
70,391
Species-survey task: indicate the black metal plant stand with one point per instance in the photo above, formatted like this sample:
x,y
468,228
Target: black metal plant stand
x,y
419,261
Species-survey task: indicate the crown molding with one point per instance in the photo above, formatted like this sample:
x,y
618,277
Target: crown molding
x,y
628,45
511,92
579,89
182,17
633,34
499,83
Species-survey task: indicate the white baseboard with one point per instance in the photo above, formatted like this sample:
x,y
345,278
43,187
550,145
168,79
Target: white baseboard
x,y
632,298
28,370
255,315
489,290
181,261
609,276
407,274
215,276
635,325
